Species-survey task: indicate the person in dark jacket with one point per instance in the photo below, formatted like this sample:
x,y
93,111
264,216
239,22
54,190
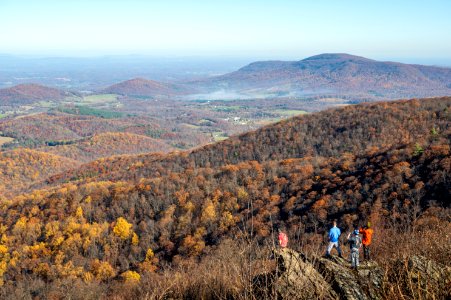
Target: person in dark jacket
x,y
355,242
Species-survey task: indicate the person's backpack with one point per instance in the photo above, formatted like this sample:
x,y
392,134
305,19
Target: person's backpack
x,y
357,242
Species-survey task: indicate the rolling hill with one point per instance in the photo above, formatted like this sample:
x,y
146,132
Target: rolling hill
x,y
334,74
21,168
39,129
55,127
141,87
29,93
108,144
74,131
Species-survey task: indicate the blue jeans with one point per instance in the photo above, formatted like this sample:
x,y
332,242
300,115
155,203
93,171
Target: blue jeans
x,y
331,245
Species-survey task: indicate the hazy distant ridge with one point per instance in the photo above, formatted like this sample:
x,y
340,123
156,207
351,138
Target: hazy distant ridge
x,y
342,74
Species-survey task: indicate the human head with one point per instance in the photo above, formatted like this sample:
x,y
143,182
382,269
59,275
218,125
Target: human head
x,y
334,223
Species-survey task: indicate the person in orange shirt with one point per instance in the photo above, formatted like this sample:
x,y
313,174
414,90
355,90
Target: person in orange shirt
x,y
367,234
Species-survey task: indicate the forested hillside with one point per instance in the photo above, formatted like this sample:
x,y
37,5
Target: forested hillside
x,y
108,144
133,222
48,128
56,128
353,129
20,168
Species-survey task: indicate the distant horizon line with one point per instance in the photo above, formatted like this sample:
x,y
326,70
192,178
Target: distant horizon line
x,y
430,61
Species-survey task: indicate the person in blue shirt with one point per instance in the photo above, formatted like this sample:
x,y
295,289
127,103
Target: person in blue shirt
x,y
334,235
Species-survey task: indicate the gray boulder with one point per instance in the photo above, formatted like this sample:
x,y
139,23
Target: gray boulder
x,y
299,277
294,278
363,284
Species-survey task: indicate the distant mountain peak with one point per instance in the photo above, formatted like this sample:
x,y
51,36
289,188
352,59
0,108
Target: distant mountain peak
x,y
335,74
262,65
140,80
336,56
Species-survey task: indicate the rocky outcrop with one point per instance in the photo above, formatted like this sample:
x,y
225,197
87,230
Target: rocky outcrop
x,y
363,284
299,277
296,278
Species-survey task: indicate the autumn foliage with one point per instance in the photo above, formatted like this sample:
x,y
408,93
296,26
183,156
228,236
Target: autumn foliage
x,y
130,219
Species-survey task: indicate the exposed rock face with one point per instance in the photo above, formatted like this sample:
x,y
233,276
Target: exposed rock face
x,y
366,283
298,279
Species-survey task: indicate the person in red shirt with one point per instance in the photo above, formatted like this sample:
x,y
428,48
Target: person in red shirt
x,y
367,234
283,239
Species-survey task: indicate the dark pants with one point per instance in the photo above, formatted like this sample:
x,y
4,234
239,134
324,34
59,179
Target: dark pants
x,y
366,252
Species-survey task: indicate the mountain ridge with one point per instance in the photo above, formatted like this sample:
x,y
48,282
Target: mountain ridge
x,y
342,74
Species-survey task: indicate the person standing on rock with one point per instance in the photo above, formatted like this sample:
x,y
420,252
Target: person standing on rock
x,y
355,242
283,239
334,235
367,234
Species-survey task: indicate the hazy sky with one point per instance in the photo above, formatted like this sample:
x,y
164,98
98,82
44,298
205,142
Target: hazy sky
x,y
279,28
